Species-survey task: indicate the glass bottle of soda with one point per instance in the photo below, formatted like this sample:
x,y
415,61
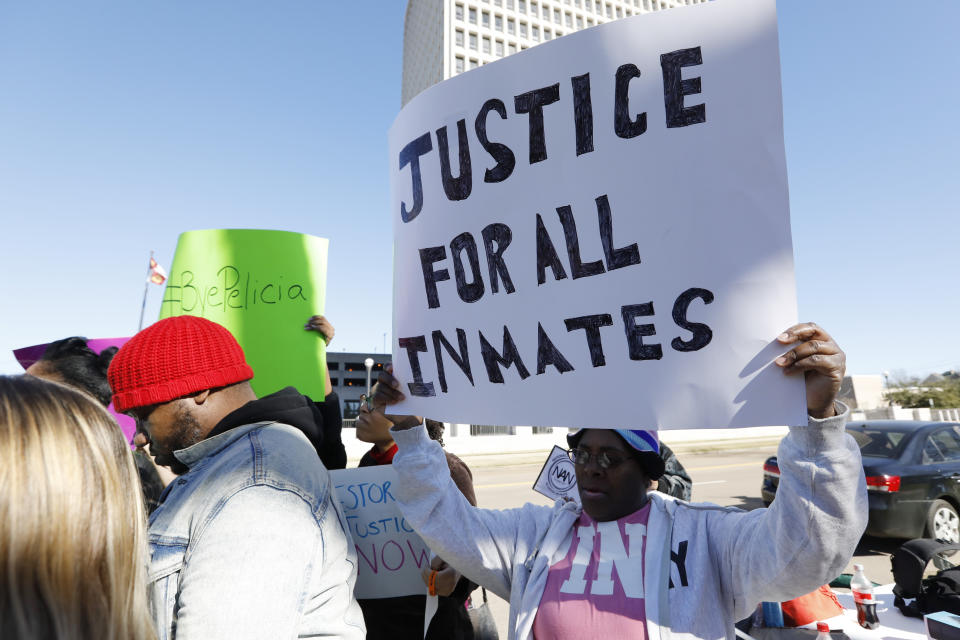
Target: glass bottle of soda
x,y
823,631
863,597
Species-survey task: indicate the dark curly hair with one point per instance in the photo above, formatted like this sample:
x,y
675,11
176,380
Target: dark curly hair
x,y
80,366
434,430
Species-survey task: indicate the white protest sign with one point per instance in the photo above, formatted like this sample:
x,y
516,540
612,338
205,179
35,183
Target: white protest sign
x,y
389,554
595,232
557,478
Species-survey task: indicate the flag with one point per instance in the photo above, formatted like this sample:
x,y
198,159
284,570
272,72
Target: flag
x,y
158,275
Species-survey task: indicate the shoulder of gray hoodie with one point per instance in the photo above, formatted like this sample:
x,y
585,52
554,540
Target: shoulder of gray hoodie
x,y
705,566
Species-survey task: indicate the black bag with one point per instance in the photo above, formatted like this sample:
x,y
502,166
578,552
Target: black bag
x,y
940,592
484,626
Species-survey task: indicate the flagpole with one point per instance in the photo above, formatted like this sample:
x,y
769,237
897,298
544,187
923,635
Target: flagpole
x,y
146,285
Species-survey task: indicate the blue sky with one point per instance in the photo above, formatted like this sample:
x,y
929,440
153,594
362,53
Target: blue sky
x,y
124,124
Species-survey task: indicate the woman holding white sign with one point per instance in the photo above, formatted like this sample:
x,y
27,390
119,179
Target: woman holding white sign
x,y
639,565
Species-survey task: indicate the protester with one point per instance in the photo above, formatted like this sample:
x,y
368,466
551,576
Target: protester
x,y
675,480
250,541
72,362
72,526
658,566
327,414
402,617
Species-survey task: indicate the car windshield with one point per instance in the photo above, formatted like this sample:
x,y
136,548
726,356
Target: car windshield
x,y
879,443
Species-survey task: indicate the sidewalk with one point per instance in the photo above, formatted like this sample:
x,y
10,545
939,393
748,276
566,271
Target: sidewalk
x,y
681,441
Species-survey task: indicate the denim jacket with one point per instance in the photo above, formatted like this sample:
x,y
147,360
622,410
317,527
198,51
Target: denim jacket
x,y
251,543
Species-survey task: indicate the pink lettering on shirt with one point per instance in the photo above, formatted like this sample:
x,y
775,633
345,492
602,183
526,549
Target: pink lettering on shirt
x,y
596,590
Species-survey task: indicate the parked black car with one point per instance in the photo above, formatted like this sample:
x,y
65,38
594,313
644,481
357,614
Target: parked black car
x,y
913,477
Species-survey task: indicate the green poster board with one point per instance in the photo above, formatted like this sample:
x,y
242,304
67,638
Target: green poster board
x,y
262,286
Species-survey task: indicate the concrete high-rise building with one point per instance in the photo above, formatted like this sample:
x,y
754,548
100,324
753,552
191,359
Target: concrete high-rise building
x,y
442,38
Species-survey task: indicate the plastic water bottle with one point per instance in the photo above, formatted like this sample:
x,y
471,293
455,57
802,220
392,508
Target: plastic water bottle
x,y
863,597
823,631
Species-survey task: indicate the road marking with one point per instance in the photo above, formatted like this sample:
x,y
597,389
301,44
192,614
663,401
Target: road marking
x,y
697,484
727,466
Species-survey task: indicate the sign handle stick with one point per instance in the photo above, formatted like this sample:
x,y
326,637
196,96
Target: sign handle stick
x,y
146,285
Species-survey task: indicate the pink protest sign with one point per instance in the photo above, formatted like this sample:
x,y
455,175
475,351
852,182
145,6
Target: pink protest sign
x,y
26,356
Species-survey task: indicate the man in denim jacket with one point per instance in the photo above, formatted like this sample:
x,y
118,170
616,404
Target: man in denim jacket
x,y
249,541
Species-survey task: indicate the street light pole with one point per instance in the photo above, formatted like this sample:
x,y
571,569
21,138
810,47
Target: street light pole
x,y
368,363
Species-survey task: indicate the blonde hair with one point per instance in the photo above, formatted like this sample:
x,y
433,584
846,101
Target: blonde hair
x,y
72,521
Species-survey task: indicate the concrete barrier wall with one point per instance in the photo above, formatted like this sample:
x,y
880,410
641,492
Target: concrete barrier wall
x,y
900,413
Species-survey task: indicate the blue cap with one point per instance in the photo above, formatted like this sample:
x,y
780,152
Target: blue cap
x,y
639,439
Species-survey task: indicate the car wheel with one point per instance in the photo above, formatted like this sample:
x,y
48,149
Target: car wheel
x,y
943,523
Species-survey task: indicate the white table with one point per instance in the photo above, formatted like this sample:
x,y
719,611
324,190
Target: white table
x,y
893,624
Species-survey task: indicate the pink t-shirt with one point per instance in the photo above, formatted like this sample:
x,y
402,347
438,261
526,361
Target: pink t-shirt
x,y
596,590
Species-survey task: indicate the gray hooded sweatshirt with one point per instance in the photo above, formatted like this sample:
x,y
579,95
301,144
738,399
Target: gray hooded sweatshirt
x,y
705,566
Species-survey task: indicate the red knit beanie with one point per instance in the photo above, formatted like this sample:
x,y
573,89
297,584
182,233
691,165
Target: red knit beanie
x,y
173,358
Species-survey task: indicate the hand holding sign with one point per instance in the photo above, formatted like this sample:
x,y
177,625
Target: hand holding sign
x,y
822,362
322,326
446,579
387,392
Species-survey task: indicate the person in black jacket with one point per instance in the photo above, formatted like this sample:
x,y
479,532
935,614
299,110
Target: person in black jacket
x,y
73,363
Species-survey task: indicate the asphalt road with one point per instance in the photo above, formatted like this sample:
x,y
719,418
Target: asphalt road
x,y
728,478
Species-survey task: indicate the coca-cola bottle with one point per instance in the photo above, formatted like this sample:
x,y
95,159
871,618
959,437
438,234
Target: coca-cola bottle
x,y
863,597
823,631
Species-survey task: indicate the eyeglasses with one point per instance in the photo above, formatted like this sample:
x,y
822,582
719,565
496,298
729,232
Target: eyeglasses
x,y
603,459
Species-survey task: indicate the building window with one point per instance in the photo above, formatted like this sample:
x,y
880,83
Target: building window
x,y
473,41
498,3
619,12
579,22
498,23
599,6
498,50
459,12
523,29
511,49
473,63
522,6
546,12
334,382
547,34
610,12
351,409
491,430
535,32
459,37
460,63
542,430
486,45
556,16
473,15
511,26
510,4
485,19
569,19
